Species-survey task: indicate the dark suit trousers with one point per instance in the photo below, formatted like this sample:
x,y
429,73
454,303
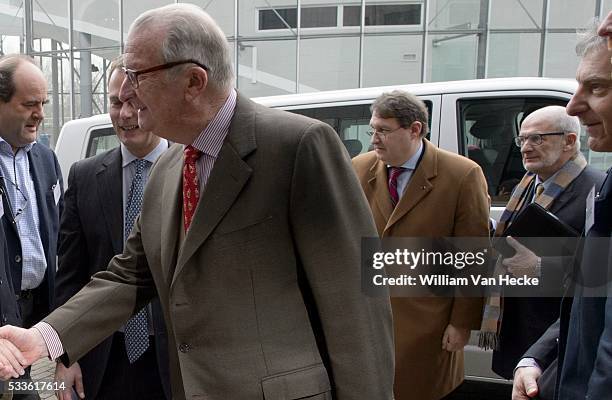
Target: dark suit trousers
x,y
123,380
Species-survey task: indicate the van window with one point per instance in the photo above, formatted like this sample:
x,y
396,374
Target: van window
x,y
101,140
487,127
351,123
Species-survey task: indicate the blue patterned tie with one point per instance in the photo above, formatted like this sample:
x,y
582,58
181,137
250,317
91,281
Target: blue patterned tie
x,y
136,330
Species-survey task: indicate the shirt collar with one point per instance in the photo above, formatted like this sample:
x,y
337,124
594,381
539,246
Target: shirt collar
x,y
211,138
128,157
7,148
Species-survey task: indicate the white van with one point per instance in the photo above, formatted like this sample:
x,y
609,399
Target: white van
x,y
475,118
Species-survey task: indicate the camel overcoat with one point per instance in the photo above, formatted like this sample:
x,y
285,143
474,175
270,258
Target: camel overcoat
x,y
446,196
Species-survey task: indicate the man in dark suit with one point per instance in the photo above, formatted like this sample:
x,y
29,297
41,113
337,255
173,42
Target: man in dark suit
x,y
582,337
31,183
559,180
32,187
249,233
92,231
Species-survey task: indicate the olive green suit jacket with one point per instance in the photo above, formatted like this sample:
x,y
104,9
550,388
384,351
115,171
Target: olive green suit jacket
x,y
262,299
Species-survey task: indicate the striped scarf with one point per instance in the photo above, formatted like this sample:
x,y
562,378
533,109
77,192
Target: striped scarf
x,y
493,310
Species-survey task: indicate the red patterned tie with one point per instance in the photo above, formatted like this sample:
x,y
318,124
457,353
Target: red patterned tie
x,y
394,173
191,189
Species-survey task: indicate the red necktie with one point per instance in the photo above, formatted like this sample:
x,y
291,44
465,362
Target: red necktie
x,y
394,173
191,189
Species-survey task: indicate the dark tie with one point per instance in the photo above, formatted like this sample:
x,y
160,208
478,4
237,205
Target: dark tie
x,y
191,187
136,330
394,173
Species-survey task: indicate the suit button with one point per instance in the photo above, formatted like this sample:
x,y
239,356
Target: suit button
x,y
17,258
184,348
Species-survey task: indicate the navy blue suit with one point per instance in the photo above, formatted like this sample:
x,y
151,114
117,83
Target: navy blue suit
x,y
525,319
9,311
46,174
587,363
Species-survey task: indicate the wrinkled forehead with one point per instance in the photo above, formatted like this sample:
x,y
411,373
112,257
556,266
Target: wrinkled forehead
x,y
594,64
29,81
534,129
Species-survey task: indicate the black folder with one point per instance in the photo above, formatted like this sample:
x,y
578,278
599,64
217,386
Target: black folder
x,y
536,222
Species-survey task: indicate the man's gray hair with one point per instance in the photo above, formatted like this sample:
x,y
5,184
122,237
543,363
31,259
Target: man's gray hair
x,y
404,106
8,66
589,40
559,121
192,34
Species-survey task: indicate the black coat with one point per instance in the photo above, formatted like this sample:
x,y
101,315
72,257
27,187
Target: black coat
x,y
46,175
525,319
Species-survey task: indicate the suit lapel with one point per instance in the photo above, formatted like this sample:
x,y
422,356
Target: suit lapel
x,y
380,188
171,218
228,176
36,172
109,176
419,184
562,200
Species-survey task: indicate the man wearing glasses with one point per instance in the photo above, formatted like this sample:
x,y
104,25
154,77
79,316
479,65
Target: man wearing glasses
x,y
558,179
249,233
580,341
32,187
417,190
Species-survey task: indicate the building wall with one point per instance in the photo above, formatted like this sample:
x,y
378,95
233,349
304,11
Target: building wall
x,y
445,40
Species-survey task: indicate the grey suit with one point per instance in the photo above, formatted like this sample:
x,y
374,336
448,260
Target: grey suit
x,y
263,297
91,233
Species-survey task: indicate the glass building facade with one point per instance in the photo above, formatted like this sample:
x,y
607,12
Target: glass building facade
x,y
295,46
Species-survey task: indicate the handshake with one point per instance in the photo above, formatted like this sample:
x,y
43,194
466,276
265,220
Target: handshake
x,y
19,348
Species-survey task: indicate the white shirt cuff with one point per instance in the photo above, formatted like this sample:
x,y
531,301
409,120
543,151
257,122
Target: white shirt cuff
x,y
51,338
527,362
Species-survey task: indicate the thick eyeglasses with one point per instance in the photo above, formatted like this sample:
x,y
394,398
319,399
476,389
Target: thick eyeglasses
x,y
381,133
133,74
535,139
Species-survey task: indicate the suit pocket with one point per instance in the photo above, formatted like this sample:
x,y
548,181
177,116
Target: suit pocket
x,y
233,235
305,383
241,226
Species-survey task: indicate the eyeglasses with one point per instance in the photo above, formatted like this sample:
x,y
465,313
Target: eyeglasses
x,y
534,139
133,74
382,133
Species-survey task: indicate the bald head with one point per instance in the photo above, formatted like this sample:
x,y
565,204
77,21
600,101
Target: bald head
x,y
556,119
549,140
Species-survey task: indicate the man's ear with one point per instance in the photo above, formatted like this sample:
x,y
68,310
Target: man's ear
x,y
570,140
415,128
197,82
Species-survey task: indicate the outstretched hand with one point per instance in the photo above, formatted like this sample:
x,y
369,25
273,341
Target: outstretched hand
x,y
11,361
19,348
